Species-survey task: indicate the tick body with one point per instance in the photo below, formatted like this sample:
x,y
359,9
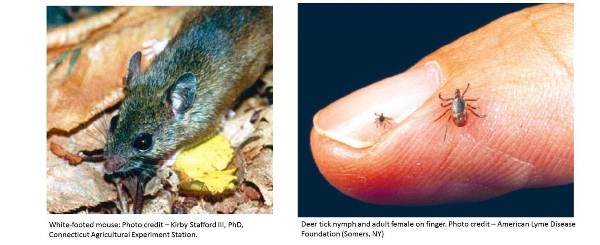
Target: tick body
x,y
458,107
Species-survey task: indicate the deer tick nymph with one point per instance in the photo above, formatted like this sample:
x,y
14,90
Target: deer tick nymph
x,y
459,108
382,121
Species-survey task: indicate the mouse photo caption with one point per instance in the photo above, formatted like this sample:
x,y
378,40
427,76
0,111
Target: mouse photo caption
x,y
148,227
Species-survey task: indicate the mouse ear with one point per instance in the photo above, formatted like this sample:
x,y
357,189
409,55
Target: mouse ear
x,y
180,96
134,70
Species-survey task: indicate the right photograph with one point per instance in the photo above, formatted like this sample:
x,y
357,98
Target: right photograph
x,y
435,110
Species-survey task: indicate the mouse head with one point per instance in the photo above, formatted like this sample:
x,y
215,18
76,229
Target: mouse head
x,y
142,134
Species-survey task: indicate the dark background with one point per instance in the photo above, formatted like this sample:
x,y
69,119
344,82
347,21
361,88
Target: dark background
x,y
343,47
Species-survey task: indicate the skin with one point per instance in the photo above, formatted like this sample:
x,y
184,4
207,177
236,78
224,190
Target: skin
x,y
520,67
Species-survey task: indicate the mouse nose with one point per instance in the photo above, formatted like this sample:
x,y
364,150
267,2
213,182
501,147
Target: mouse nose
x,y
113,163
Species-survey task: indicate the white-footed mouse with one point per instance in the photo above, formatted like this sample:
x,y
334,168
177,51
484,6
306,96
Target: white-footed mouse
x,y
177,102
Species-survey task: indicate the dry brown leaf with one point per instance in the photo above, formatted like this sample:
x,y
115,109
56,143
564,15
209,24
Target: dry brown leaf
x,y
227,205
239,128
86,79
161,204
262,135
57,150
165,176
75,32
259,172
258,154
70,187
249,193
201,209
253,207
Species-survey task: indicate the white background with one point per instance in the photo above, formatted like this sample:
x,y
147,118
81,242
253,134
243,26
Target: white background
x,y
23,142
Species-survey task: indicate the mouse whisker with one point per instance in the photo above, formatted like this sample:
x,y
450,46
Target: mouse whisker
x,y
96,135
106,123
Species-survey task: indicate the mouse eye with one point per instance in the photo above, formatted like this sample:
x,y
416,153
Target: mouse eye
x,y
113,123
142,142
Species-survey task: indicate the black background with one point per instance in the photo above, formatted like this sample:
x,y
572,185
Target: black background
x,y
343,47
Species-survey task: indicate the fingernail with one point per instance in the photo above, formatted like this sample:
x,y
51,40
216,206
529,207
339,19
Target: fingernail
x,y
351,120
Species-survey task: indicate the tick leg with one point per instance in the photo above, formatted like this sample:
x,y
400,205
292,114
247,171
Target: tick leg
x,y
447,110
472,107
464,92
383,124
449,103
471,99
387,123
472,111
444,99
377,121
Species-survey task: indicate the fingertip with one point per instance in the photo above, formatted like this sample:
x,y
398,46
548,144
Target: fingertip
x,y
523,139
334,162
373,175
351,121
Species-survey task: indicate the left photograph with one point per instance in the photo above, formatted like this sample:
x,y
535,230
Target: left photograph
x,y
159,110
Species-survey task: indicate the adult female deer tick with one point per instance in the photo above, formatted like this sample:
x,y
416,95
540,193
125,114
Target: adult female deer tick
x,y
459,104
